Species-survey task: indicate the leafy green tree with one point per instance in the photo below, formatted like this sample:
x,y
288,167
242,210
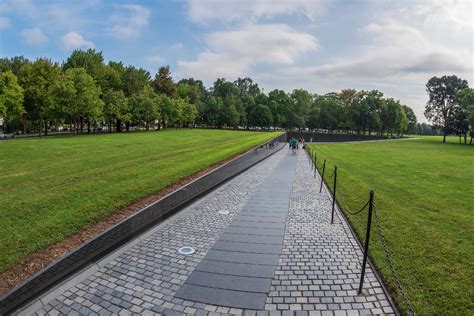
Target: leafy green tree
x,y
38,79
91,60
300,106
116,108
260,116
163,82
411,116
280,105
464,115
79,97
11,98
196,94
442,101
247,86
331,112
187,112
14,64
167,110
134,80
144,107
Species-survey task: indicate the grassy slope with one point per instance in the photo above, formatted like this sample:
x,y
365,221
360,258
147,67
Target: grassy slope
x,y
424,195
50,188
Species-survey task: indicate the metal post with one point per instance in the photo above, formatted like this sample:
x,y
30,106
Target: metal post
x,y
315,164
322,176
367,237
334,194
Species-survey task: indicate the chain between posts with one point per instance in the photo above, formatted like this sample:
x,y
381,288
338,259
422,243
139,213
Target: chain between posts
x,y
371,210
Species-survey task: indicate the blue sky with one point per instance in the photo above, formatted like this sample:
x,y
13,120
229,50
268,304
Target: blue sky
x,y
318,45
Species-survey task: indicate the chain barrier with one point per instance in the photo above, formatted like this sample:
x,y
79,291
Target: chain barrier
x,y
389,261
387,252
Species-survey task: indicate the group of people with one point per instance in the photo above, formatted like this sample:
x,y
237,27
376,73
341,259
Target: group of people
x,y
294,144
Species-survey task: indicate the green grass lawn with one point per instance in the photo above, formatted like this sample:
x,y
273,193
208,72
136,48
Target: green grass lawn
x,y
424,193
51,188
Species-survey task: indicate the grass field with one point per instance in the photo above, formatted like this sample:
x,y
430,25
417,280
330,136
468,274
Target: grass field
x,y
424,193
51,188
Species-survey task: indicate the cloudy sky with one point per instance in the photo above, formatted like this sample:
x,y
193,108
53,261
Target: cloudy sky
x,y
319,45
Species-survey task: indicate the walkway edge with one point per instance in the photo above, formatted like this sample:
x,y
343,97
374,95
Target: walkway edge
x,y
126,230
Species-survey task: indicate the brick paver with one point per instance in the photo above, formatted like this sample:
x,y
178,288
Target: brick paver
x,y
317,272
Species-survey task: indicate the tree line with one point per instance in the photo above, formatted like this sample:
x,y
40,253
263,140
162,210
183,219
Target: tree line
x,y
86,94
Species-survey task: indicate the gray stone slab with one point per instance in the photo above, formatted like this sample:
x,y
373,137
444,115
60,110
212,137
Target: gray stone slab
x,y
261,219
242,257
247,247
230,282
232,268
257,224
256,231
268,213
252,238
222,297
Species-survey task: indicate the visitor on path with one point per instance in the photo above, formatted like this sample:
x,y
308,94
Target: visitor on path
x,y
294,145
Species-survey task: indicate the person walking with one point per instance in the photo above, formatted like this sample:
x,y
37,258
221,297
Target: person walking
x,y
294,145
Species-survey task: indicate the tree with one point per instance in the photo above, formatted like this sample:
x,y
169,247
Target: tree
x,y
247,86
260,116
11,98
330,112
144,107
91,60
38,79
280,105
195,92
300,106
79,97
464,117
115,109
163,82
442,100
134,80
410,114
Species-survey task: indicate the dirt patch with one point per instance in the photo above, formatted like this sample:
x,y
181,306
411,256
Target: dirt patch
x,y
42,258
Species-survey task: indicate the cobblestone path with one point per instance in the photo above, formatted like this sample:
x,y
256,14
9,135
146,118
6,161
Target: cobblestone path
x,y
317,271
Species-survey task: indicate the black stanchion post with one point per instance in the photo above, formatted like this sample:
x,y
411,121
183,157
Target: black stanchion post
x,y
367,237
334,194
322,176
315,164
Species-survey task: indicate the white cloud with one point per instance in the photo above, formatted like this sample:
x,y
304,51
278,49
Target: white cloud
x,y
130,21
233,53
4,22
204,10
73,40
408,44
34,36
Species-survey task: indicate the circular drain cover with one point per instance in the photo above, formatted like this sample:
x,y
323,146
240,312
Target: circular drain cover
x,y
186,250
224,212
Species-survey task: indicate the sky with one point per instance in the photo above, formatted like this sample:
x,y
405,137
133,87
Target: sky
x,y
318,45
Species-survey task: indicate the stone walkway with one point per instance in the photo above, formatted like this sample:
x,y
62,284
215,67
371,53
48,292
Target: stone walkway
x,y
276,244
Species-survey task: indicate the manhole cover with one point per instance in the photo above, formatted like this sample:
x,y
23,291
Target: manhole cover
x,y
186,250
224,212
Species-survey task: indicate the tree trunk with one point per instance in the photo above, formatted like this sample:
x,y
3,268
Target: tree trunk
x,y
127,126
88,127
40,126
444,136
46,128
118,126
110,126
82,124
24,125
465,138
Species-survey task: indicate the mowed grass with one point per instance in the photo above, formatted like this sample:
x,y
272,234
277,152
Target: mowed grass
x,y
51,188
424,194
